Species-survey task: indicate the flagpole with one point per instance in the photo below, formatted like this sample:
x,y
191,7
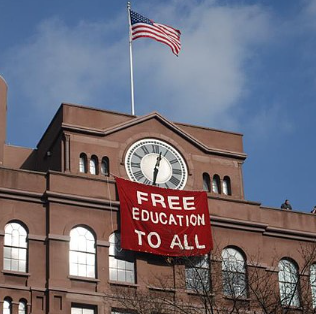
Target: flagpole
x,y
131,56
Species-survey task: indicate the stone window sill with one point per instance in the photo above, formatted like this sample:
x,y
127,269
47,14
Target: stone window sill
x,y
242,299
201,293
122,283
16,273
161,289
87,279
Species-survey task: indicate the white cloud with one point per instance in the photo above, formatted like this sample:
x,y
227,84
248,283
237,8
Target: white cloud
x,y
269,120
62,63
308,14
88,64
208,79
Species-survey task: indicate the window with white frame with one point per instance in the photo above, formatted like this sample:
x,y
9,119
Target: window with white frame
x,y
216,184
94,165
105,166
82,253
312,278
122,264
226,186
7,306
197,274
288,283
206,182
15,247
22,307
83,163
234,273
82,310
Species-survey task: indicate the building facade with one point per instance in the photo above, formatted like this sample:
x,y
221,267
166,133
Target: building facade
x,y
60,230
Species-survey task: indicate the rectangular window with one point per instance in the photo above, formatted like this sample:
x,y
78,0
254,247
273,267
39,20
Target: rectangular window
x,y
121,262
121,270
83,310
197,274
14,259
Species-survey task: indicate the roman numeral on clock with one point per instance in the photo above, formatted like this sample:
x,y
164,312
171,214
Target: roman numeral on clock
x,y
146,181
140,157
138,175
174,181
173,161
145,150
176,171
135,164
155,149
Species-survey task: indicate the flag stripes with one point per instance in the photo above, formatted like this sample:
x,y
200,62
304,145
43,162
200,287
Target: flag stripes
x,y
143,27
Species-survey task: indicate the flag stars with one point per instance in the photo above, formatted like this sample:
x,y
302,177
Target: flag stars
x,y
137,18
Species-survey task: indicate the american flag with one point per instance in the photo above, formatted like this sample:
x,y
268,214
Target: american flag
x,y
144,27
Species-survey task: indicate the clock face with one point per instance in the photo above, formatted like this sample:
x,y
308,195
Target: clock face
x,y
152,161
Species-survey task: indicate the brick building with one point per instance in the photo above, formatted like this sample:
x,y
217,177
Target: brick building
x,y
59,222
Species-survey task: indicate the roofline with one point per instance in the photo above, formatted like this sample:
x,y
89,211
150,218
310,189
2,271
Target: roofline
x,y
206,128
98,109
64,104
138,119
3,79
178,130
138,116
51,123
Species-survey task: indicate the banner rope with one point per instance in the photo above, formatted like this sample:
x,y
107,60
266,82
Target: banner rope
x,y
111,215
110,201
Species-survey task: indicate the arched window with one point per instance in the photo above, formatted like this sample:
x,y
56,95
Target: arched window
x,y
234,273
22,307
105,166
94,165
82,253
83,163
197,274
15,247
288,283
226,186
216,184
312,278
7,306
122,265
206,182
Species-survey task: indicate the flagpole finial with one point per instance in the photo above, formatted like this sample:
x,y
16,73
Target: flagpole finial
x,y
128,5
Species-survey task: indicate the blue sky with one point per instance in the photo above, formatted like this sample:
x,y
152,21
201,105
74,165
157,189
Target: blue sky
x,y
245,66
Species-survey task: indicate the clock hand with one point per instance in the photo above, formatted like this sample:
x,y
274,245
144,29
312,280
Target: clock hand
x,y
156,169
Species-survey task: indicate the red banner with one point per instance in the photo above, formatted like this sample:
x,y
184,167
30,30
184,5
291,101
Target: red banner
x,y
163,221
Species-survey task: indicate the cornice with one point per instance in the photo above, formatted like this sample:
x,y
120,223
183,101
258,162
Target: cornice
x,y
21,195
84,176
82,129
57,197
231,199
264,228
14,287
290,234
75,291
237,224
